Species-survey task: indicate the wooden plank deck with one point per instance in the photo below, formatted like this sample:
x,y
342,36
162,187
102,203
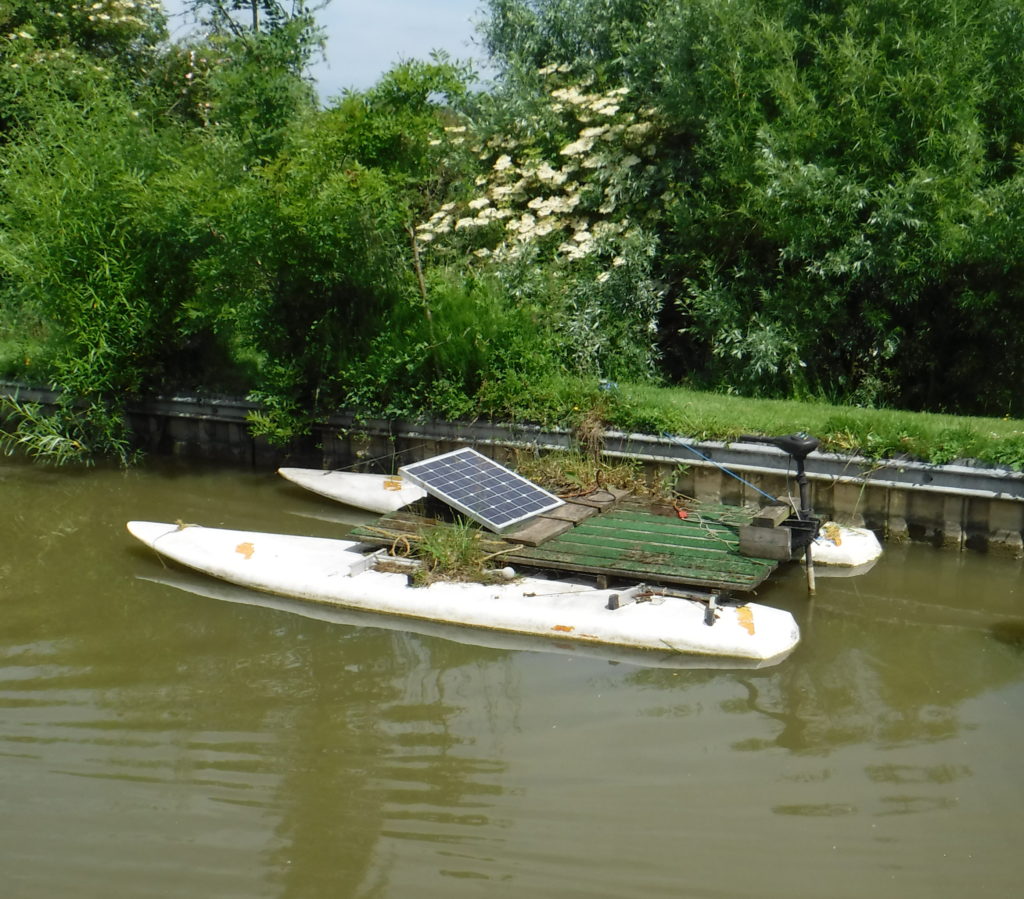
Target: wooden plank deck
x,y
637,544
631,542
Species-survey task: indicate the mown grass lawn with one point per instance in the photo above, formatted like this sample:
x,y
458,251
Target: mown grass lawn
x,y
876,433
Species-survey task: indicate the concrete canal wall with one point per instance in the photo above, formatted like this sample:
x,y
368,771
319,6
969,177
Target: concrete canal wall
x,y
954,506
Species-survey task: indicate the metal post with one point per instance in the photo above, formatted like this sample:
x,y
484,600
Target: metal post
x,y
798,446
805,515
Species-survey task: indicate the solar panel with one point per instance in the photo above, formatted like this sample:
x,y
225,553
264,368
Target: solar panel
x,y
481,488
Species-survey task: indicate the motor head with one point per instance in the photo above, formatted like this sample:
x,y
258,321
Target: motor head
x,y
798,445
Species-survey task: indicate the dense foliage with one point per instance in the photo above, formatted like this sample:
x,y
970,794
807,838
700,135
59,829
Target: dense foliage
x,y
770,197
842,185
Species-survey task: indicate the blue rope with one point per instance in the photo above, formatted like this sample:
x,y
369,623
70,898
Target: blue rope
x,y
718,465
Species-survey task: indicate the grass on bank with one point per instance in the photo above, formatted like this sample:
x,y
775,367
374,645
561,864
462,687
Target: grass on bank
x,y
875,433
584,407
699,415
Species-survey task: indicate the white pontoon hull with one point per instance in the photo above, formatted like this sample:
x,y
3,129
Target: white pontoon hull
x,y
334,573
372,492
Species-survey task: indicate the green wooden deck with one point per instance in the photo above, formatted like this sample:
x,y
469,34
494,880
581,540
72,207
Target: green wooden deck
x,y
628,542
635,544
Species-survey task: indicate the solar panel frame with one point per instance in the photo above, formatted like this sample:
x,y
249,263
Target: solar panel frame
x,y
481,488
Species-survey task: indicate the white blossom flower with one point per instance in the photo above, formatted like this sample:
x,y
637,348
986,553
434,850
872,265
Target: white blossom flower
x,y
479,203
604,276
574,251
548,175
638,131
606,228
618,261
570,95
578,147
630,161
525,223
502,162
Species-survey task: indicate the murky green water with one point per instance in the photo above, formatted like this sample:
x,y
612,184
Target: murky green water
x,y
154,742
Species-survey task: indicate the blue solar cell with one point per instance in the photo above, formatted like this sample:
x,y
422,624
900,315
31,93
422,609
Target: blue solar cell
x,y
481,488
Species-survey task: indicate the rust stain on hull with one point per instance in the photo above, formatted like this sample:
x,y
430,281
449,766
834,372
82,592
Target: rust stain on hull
x,y
745,617
246,549
563,628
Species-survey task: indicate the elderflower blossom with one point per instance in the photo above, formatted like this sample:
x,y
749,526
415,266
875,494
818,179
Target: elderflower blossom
x,y
637,131
578,147
537,198
548,175
573,251
570,95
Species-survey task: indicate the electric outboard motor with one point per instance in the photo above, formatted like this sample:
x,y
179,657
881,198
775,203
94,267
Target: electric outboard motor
x,y
798,445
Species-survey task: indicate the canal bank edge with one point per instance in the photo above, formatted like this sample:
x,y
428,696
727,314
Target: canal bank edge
x,y
953,506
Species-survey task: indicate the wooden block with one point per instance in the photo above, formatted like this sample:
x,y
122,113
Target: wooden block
x,y
537,531
571,511
771,516
766,543
602,497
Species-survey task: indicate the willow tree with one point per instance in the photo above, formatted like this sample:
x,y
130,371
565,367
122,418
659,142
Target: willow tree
x,y
110,200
